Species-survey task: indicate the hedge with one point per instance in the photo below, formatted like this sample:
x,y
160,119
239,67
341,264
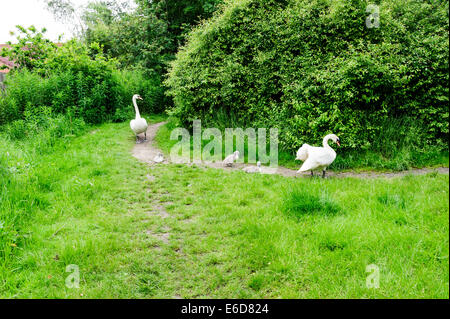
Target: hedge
x,y
314,67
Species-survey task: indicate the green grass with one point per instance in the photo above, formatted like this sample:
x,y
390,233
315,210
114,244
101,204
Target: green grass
x,y
371,160
300,203
228,234
395,154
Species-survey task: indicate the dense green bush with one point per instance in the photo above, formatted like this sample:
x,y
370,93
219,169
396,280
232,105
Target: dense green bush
x,y
310,67
80,82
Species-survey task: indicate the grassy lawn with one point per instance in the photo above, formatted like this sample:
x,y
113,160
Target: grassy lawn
x,y
171,231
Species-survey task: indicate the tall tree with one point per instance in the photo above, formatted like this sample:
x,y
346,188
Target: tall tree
x,y
180,15
148,36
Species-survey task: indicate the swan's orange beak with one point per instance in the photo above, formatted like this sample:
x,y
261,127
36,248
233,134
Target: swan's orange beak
x,y
338,143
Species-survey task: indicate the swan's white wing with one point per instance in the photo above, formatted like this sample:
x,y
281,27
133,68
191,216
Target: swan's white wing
x,y
229,159
302,153
318,157
158,158
138,125
307,165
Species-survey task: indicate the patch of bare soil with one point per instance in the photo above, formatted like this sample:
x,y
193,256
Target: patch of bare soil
x,y
146,150
283,171
160,211
161,236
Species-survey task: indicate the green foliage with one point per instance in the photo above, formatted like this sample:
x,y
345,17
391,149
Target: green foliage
x,y
145,39
31,48
140,40
40,123
394,152
399,146
180,15
80,82
137,81
132,38
63,10
89,200
313,67
22,192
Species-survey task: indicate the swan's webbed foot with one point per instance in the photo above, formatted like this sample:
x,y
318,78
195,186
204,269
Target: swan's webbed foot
x,y
137,139
323,174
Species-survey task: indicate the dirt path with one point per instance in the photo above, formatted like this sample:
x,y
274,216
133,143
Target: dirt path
x,y
147,151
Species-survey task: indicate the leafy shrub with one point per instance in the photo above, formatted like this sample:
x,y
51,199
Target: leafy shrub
x,y
313,67
73,82
31,48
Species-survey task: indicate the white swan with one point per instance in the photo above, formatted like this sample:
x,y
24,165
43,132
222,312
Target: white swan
x,y
253,169
229,160
139,124
159,158
317,158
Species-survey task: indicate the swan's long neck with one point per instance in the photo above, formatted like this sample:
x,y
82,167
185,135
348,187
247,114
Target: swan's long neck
x,y
325,141
138,115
